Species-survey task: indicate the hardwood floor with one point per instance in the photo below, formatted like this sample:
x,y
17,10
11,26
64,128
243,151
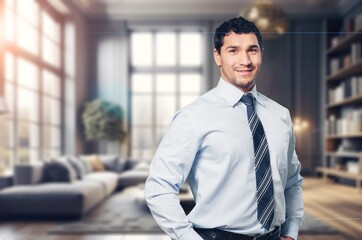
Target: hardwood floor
x,y
337,205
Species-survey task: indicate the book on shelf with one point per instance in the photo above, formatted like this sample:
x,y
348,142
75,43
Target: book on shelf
x,y
349,123
351,87
356,52
358,22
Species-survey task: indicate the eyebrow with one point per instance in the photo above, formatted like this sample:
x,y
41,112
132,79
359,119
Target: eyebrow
x,y
251,46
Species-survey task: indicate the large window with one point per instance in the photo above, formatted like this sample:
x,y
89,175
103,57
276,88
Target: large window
x,y
166,74
32,80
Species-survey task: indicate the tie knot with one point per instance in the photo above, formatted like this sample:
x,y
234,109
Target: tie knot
x,y
248,99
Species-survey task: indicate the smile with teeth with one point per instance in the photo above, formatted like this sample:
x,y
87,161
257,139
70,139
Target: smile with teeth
x,y
244,71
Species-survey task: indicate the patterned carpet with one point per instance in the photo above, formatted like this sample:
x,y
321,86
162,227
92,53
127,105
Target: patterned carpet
x,y
122,214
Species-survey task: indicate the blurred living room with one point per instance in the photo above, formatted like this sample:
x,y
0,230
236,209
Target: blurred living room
x,y
88,89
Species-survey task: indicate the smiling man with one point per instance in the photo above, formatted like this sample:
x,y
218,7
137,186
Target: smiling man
x,y
236,148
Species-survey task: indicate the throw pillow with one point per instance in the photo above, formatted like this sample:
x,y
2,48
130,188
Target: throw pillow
x,y
58,171
122,164
94,161
110,162
86,165
77,166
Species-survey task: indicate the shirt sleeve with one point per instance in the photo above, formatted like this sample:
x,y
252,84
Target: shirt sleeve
x,y
168,172
293,191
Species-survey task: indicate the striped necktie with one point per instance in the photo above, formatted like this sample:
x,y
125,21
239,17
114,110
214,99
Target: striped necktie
x,y
264,180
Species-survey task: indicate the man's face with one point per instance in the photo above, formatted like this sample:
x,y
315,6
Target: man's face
x,y
239,60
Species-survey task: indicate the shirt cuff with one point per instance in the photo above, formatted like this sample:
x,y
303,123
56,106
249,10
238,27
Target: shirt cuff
x,y
191,234
290,229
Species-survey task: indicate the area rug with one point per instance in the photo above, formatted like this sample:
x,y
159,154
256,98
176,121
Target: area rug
x,y
122,214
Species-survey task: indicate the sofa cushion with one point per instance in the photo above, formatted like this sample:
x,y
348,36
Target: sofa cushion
x,y
94,161
30,173
109,180
132,177
51,199
58,170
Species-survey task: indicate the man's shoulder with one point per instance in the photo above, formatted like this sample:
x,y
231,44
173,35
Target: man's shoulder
x,y
270,103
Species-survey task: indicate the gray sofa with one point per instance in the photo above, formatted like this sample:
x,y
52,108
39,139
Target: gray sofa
x,y
32,198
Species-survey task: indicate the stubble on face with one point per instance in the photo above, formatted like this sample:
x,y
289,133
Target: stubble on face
x,y
239,60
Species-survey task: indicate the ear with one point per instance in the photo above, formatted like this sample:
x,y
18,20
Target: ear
x,y
217,57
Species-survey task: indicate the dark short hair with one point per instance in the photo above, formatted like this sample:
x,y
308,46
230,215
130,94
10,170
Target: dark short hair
x,y
237,25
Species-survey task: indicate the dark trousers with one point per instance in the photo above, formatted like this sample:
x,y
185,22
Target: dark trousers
x,y
216,234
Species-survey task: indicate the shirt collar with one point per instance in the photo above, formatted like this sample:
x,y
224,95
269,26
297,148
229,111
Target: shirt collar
x,y
233,95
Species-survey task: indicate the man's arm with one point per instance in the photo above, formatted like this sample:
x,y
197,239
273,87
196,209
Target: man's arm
x,y
168,172
293,192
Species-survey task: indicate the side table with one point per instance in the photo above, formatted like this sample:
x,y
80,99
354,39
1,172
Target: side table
x,y
6,180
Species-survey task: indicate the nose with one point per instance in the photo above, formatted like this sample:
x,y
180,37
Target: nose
x,y
244,59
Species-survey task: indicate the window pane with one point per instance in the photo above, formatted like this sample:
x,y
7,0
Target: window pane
x,y
29,10
9,67
28,105
26,155
141,110
51,84
141,83
160,132
50,27
190,49
23,155
10,3
6,137
185,100
165,49
51,110
166,83
27,37
28,74
9,96
51,153
141,48
190,83
165,109
51,52
9,25
143,154
28,135
6,157
51,137
142,145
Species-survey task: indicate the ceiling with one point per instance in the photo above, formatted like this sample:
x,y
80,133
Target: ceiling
x,y
201,9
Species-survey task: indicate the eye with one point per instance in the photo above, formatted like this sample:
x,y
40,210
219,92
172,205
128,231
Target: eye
x,y
253,50
232,51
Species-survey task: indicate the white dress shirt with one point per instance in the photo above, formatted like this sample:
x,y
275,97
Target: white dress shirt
x,y
209,142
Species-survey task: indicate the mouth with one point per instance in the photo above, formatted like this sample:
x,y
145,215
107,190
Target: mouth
x,y
244,72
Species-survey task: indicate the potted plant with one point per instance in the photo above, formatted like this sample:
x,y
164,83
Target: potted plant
x,y
103,122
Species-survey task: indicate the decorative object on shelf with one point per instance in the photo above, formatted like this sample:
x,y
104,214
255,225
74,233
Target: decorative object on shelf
x,y
269,18
103,121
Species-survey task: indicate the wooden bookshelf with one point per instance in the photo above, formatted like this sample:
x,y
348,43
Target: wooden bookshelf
x,y
350,135
347,101
331,172
344,154
344,44
343,158
346,72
